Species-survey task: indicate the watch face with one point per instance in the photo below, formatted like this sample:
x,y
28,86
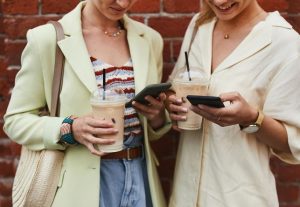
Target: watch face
x,y
251,128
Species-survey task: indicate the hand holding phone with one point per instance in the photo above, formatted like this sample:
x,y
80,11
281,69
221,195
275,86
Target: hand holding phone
x,y
212,101
151,90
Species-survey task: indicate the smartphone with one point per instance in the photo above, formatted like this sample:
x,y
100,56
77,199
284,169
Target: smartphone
x,y
212,101
152,90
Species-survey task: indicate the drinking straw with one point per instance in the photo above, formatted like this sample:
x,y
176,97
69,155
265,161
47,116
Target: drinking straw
x,y
103,75
187,65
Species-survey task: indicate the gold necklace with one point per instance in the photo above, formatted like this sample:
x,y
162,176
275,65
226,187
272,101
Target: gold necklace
x,y
107,33
113,34
226,36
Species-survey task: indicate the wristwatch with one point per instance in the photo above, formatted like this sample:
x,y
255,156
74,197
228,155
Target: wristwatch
x,y
67,137
252,128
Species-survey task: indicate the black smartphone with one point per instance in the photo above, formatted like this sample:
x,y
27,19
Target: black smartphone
x,y
152,90
212,101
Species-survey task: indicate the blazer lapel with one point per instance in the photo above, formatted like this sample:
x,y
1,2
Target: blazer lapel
x,y
76,55
74,48
139,51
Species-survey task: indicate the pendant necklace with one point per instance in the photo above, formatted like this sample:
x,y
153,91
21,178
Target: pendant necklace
x,y
227,36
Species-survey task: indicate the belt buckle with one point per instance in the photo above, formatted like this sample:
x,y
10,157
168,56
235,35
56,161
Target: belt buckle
x,y
128,154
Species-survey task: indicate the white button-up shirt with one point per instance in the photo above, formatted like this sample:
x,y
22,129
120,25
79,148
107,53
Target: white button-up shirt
x,y
223,166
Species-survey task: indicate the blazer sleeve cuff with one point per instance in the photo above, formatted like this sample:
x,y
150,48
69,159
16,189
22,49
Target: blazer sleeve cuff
x,y
156,134
52,133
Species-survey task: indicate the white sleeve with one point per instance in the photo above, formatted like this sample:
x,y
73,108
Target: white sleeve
x,y
283,103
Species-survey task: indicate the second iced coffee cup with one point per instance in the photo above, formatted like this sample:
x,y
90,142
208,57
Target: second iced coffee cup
x,y
110,106
195,83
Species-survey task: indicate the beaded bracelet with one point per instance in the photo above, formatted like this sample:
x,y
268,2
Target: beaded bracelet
x,y
67,137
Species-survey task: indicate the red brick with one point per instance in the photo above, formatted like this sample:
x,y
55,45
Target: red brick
x,y
146,6
16,28
5,148
2,134
170,27
13,50
1,23
294,6
288,193
58,7
11,76
186,6
295,22
3,65
167,51
289,173
168,67
15,149
176,50
4,86
6,168
20,7
271,5
138,18
4,103
5,202
6,187
2,45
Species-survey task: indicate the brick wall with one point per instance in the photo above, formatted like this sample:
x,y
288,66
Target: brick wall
x,y
170,18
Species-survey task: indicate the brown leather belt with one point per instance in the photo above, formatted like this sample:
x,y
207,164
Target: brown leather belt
x,y
128,154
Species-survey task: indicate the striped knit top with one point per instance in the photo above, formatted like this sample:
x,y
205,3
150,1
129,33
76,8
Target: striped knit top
x,y
120,78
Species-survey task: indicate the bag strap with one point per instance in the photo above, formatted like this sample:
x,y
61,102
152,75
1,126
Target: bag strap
x,y
58,70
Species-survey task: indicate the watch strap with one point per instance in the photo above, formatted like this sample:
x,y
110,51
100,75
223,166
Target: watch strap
x,y
260,118
67,137
258,121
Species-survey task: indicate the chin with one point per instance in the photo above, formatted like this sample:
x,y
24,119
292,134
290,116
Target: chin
x,y
226,17
114,17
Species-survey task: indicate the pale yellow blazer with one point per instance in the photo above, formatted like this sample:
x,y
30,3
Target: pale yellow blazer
x,y
79,181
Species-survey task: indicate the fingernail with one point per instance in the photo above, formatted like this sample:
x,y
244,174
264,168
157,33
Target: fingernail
x,y
183,117
200,106
184,109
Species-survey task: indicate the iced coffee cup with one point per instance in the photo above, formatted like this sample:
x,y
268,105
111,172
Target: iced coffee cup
x,y
110,106
194,83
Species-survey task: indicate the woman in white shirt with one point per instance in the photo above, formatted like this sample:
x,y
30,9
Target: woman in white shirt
x,y
252,59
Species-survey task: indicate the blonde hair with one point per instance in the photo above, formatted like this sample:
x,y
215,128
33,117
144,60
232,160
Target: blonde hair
x,y
206,14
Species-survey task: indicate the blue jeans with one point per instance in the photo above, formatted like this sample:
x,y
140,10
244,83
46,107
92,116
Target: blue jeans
x,y
124,183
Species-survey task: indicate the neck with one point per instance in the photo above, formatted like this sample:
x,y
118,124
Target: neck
x,y
92,17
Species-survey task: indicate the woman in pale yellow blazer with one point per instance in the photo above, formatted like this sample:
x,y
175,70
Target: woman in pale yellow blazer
x,y
98,35
252,60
